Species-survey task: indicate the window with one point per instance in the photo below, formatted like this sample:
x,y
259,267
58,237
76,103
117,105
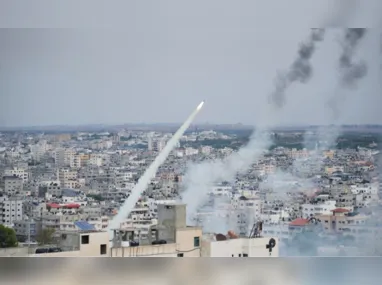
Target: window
x,y
103,249
196,241
239,255
180,255
245,255
85,239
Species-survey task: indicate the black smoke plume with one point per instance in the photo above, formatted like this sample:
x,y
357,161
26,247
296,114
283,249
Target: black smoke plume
x,y
350,70
300,70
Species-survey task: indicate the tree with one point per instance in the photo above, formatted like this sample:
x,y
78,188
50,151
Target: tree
x,y
45,236
7,237
96,197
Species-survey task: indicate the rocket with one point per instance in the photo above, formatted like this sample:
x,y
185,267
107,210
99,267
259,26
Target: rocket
x,y
200,105
145,179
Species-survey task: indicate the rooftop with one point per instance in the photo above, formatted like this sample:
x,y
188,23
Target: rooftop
x,y
340,210
299,222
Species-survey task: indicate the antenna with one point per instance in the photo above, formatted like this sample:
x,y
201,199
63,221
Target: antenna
x,y
256,230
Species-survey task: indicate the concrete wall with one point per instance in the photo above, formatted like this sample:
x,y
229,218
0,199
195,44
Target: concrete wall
x,y
160,250
14,251
170,217
75,253
94,247
234,247
256,247
206,249
185,241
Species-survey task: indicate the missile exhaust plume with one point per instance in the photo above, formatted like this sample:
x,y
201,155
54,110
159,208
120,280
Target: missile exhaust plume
x,y
301,69
129,204
351,71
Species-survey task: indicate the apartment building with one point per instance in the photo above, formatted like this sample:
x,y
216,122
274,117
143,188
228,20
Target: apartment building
x,y
63,157
53,188
67,178
11,209
19,172
75,161
170,238
312,210
26,229
12,185
38,150
340,220
246,212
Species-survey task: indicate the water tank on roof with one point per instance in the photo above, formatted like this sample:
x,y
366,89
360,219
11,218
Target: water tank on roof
x,y
220,237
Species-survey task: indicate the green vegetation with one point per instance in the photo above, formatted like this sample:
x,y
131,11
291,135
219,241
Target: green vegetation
x,y
7,237
95,197
45,236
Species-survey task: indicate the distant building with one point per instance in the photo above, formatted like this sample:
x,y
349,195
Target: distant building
x,y
13,185
11,209
19,172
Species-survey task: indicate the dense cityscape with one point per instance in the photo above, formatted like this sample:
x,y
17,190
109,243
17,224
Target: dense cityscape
x,y
315,192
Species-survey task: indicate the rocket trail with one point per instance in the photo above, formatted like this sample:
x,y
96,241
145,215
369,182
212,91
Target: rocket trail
x,y
145,179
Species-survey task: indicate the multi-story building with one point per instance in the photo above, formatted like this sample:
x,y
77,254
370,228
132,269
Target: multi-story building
x,y
311,210
25,229
52,188
19,172
63,157
66,176
340,220
12,185
11,209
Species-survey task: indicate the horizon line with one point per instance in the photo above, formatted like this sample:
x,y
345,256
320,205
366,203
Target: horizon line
x,y
2,128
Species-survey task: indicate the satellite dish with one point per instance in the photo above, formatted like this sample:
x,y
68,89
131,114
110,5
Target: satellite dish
x,y
272,243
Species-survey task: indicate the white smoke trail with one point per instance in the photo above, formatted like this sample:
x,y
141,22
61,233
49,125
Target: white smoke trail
x,y
129,204
200,177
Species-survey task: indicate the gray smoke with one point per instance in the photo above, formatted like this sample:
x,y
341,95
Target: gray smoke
x,y
301,69
350,70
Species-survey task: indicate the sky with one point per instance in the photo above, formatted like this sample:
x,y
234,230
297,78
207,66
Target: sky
x,y
154,61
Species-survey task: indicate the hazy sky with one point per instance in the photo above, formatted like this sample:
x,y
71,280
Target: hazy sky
x,y
154,61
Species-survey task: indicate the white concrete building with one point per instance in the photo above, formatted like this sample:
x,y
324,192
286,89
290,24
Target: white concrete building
x,y
19,172
311,210
63,157
11,209
223,191
365,189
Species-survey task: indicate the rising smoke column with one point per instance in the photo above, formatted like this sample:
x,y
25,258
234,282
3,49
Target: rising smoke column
x,y
200,177
129,204
351,71
300,71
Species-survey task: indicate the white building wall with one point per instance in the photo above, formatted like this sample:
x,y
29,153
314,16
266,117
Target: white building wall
x,y
255,247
